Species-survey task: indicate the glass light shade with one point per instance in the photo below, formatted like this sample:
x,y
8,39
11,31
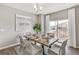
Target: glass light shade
x,y
37,7
41,8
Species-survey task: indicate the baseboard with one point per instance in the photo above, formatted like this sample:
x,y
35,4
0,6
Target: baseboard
x,y
77,47
10,46
74,47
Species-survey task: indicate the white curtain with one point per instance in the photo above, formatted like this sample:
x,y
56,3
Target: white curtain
x,y
72,29
47,28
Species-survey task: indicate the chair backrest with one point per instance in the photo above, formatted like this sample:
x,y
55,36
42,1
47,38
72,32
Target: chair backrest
x,y
62,48
21,39
26,45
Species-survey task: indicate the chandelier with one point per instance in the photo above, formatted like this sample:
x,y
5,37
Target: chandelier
x,y
37,8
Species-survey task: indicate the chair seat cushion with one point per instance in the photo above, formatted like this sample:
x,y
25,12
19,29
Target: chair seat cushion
x,y
54,49
57,44
61,40
36,49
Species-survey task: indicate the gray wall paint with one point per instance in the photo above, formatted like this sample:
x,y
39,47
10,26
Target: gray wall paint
x,y
59,15
77,25
7,17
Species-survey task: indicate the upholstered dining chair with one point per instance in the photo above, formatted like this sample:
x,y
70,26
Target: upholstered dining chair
x,y
28,48
58,48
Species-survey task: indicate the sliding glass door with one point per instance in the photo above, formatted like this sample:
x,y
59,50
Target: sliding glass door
x,y
53,28
59,28
62,29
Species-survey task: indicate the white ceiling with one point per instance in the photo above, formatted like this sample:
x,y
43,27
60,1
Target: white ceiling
x,y
47,7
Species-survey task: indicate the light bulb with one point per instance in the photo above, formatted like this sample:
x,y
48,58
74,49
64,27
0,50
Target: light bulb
x,y
41,8
35,7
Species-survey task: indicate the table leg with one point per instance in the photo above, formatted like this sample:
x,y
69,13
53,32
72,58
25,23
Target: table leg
x,y
49,46
28,38
43,50
35,43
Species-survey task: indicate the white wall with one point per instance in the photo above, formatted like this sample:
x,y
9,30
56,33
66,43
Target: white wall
x,y
7,23
7,17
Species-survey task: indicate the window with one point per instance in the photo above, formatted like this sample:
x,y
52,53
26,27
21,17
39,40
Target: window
x,y
59,28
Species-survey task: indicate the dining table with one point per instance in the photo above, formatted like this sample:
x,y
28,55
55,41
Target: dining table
x,y
44,41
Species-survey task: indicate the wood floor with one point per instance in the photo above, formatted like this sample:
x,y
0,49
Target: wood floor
x,y
72,51
8,51
12,51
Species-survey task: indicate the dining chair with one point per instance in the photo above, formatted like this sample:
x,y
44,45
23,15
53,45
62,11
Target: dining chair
x,y
51,35
58,48
28,48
